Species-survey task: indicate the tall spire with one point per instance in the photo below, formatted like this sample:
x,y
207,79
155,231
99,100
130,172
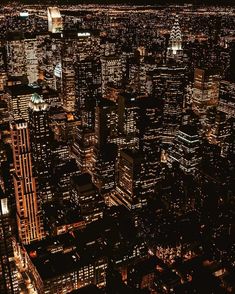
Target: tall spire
x,y
175,41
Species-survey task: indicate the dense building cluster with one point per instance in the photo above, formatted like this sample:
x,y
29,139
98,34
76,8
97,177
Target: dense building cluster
x,y
117,149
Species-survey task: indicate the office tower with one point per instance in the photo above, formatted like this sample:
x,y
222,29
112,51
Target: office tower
x,y
106,121
6,169
16,65
111,71
150,136
227,98
49,57
169,87
86,195
28,213
104,153
62,175
105,166
175,41
220,129
68,84
22,56
40,145
88,89
222,133
186,149
76,46
8,272
129,119
133,72
82,148
205,90
228,146
31,59
3,71
131,190
18,100
55,23
64,126
137,69
68,58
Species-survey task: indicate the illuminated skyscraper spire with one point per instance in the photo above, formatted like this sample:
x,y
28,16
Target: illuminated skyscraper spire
x,y
175,41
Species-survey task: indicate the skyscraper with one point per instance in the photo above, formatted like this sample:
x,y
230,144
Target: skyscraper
x,y
86,195
22,56
18,100
169,87
82,148
131,190
128,119
106,121
150,136
55,24
104,171
8,279
41,151
111,70
28,214
68,84
186,149
227,98
76,47
30,48
16,65
205,90
88,89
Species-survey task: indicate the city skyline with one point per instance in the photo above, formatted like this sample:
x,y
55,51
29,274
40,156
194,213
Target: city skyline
x,y
117,147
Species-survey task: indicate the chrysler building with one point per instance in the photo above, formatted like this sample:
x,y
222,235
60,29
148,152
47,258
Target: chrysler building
x,y
174,50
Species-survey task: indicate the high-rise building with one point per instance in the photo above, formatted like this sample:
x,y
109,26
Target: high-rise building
x,y
88,89
40,145
169,87
186,149
55,23
19,97
205,90
22,59
16,65
151,117
105,168
8,272
3,71
76,47
64,168
131,190
111,70
227,98
31,59
28,213
220,130
86,195
106,122
82,148
129,119
68,84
